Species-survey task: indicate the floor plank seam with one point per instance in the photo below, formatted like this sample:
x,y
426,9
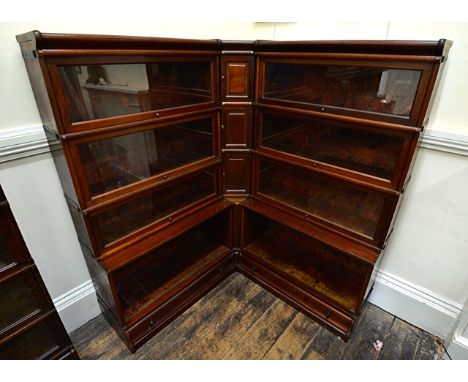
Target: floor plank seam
x,y
279,335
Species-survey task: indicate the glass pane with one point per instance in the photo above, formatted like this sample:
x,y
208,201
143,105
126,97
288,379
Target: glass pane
x,y
371,153
101,91
337,202
311,262
119,161
164,269
32,344
17,301
5,257
389,91
149,208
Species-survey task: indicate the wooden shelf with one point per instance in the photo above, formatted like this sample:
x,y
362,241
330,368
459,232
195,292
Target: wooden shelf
x,y
317,267
360,251
166,269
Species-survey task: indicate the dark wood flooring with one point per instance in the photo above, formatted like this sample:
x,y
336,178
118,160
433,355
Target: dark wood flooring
x,y
240,320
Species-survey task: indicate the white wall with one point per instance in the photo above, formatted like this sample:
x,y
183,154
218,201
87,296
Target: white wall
x,y
426,260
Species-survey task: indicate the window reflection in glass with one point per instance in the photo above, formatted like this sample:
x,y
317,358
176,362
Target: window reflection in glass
x,y
388,91
101,91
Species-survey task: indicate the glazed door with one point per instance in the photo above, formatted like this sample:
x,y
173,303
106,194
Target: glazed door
x,y
98,91
392,91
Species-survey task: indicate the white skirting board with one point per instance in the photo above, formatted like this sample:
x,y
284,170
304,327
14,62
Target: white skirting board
x,y
418,306
77,306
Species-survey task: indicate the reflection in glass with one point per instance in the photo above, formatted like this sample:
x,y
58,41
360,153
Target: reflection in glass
x,y
101,91
389,91
16,300
146,209
119,161
5,256
337,202
371,153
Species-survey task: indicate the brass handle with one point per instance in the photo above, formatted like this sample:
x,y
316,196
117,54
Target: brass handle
x,y
157,114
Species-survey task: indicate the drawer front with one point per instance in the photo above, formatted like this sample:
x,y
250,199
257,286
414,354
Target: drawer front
x,y
355,210
371,154
137,216
236,174
158,319
392,91
105,91
294,295
109,165
237,126
43,340
22,299
237,77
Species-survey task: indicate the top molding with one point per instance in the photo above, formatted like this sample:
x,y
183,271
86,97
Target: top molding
x,y
58,41
401,47
110,42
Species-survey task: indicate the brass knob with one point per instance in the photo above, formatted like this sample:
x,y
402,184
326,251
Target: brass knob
x,y
157,114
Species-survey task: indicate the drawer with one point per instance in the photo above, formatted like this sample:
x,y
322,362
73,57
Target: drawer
x,y
13,250
154,278
390,90
368,153
43,340
22,300
236,127
145,328
139,215
236,173
336,320
107,165
237,78
98,94
352,209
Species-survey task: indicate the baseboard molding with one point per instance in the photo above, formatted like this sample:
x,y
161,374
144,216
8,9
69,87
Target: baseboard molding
x,y
458,348
414,304
77,306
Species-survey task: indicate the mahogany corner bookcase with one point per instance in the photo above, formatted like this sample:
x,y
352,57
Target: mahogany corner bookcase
x,y
183,161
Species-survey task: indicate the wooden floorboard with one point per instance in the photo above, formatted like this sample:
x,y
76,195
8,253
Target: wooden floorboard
x,y
240,320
